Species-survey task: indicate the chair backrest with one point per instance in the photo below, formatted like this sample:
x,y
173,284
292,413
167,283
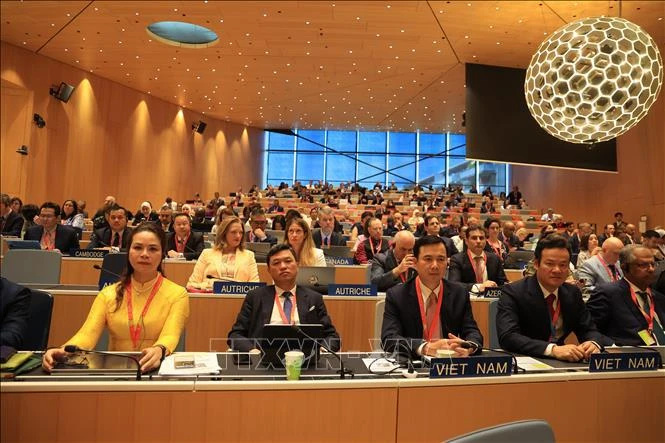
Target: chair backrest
x,y
32,266
378,322
525,431
39,322
491,325
113,266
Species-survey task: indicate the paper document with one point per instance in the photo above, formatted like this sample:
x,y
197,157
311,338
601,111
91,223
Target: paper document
x,y
531,364
190,363
379,364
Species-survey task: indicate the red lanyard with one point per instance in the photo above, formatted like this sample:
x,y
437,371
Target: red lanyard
x,y
280,308
48,240
479,278
613,276
497,251
428,330
371,245
180,247
555,318
652,311
135,329
403,276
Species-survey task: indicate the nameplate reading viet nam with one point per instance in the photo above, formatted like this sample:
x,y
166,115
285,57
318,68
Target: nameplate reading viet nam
x,y
352,290
90,253
232,287
621,359
475,366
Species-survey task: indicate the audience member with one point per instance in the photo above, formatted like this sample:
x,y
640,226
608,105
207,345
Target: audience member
x,y
325,236
11,223
99,220
548,216
166,218
116,235
16,204
415,220
618,221
278,223
258,223
507,236
602,267
396,265
71,215
371,245
588,248
14,314
607,233
494,245
53,236
299,237
183,243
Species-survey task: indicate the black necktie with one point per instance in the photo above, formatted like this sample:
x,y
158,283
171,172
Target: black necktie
x,y
116,239
645,300
613,270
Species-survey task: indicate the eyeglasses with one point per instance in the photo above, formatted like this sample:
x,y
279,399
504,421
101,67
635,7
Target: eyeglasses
x,y
645,265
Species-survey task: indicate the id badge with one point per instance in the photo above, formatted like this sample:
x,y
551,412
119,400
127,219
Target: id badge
x,y
646,337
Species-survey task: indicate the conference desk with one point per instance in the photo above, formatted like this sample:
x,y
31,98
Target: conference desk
x,y
81,271
580,406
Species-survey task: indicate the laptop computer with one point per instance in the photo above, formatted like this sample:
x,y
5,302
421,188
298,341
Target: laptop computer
x,y
338,251
99,364
518,259
278,339
279,235
258,247
316,278
23,244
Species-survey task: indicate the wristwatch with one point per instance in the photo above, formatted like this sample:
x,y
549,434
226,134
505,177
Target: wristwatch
x,y
163,348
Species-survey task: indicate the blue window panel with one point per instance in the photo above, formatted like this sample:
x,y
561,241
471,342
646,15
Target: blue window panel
x,y
432,144
280,142
280,166
432,170
342,141
374,173
372,142
462,172
315,136
309,167
275,182
402,169
457,144
493,175
402,143
340,168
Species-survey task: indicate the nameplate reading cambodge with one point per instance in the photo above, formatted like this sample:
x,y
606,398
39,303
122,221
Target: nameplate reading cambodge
x,y
232,287
352,290
624,361
478,366
90,253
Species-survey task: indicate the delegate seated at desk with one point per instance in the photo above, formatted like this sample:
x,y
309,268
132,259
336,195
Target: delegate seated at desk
x,y
429,299
396,265
537,313
51,235
274,304
183,243
116,234
143,312
628,311
14,313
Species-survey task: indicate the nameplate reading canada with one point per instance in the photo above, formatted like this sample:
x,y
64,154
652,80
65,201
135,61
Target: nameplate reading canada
x,y
478,366
331,261
612,361
231,287
353,290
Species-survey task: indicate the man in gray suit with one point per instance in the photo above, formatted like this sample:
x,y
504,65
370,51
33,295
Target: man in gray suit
x,y
396,265
601,268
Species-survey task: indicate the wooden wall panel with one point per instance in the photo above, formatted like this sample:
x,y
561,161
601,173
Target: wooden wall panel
x,y
638,188
110,139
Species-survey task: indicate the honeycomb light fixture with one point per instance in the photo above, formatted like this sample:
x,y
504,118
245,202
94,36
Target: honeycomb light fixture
x,y
593,79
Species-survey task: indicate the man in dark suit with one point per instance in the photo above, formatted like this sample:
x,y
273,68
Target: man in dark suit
x,y
428,299
476,269
395,266
258,223
51,234
11,223
326,235
275,207
116,235
14,313
537,313
183,243
275,304
432,226
166,218
607,233
622,310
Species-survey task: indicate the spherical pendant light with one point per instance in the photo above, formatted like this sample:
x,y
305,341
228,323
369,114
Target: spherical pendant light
x,y
593,79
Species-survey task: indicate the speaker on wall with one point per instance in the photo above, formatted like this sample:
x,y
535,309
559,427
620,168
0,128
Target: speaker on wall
x,y
199,126
62,92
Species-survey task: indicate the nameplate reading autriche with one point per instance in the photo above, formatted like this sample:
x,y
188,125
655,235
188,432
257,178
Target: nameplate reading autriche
x,y
330,260
624,361
352,290
478,366
90,253
492,293
231,287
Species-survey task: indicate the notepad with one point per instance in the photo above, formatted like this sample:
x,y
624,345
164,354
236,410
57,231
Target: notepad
x,y
531,364
189,363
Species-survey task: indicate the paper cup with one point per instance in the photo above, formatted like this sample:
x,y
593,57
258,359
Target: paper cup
x,y
293,363
445,353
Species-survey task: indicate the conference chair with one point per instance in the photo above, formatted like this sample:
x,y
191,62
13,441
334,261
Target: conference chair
x,y
39,322
493,339
378,322
32,266
524,431
113,266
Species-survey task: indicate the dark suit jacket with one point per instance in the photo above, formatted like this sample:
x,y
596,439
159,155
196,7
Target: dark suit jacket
x,y
382,267
256,310
13,224
101,238
523,322
269,239
275,209
336,239
615,314
461,270
14,313
66,239
193,247
401,317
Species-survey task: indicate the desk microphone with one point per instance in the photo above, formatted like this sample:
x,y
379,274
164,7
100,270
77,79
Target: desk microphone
x,y
342,370
100,268
74,349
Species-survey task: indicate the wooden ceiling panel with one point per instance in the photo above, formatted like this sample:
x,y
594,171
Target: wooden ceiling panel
x,y
309,64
